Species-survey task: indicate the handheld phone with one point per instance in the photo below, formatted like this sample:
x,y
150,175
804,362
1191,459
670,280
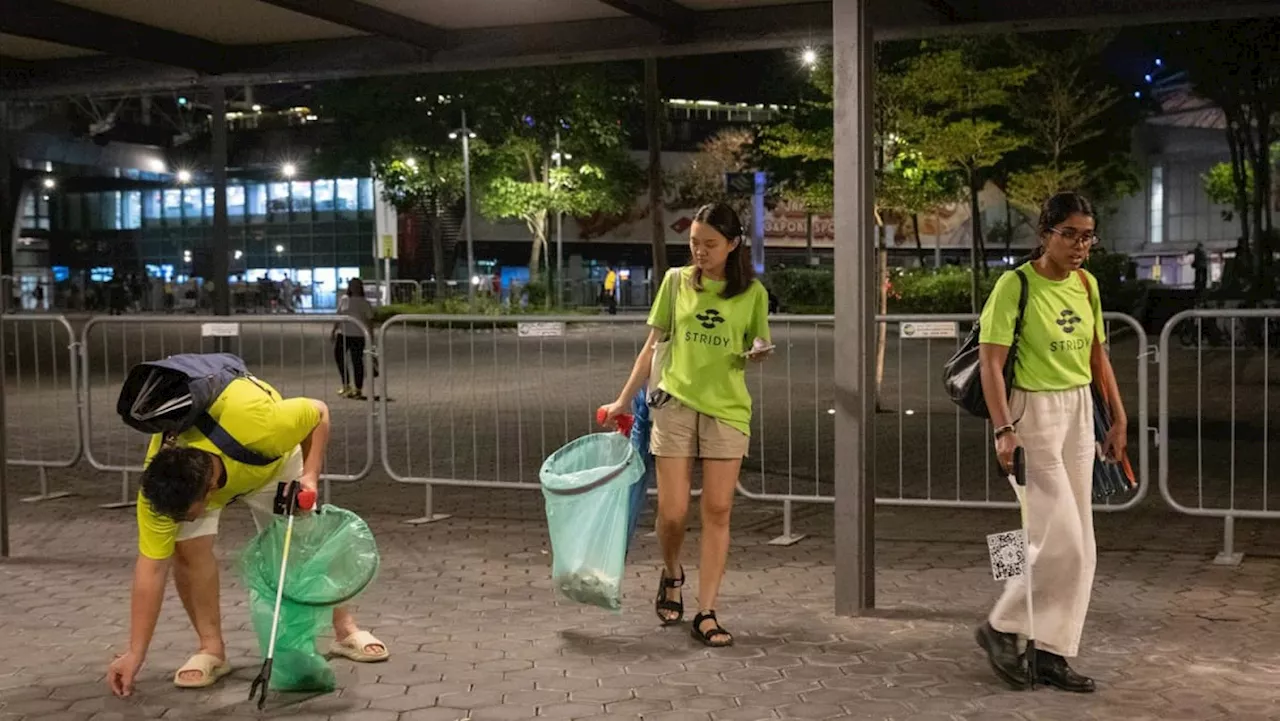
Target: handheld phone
x,y
757,351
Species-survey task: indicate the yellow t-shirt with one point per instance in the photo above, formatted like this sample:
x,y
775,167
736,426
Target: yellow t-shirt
x,y
255,415
1058,328
610,280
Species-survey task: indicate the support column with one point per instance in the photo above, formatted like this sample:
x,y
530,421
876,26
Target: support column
x,y
221,241
853,52
9,198
653,117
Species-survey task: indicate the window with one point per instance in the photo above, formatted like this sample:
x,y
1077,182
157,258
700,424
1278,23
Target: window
x,y
192,202
347,199
257,200
1156,223
173,205
366,194
35,211
324,195
151,204
209,202
278,199
300,196
74,203
131,210
235,200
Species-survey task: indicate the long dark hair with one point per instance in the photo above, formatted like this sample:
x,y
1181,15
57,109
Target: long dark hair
x,y
738,270
1056,210
355,286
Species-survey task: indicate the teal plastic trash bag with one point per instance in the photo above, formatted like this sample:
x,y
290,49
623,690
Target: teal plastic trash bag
x,y
588,487
332,558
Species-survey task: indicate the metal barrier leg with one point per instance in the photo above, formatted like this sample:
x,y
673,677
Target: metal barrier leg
x,y
45,495
125,501
429,516
1228,556
786,539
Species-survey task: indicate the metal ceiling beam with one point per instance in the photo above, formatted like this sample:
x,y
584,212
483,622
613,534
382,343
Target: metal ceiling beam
x,y
369,19
58,22
666,14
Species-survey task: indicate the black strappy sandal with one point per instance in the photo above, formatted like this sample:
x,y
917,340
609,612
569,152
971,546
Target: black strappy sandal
x,y
664,605
716,632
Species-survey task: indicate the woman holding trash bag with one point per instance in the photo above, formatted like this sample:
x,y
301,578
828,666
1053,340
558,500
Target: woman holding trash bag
x,y
711,318
349,341
1049,412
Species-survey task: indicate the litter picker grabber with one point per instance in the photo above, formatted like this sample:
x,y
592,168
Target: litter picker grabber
x,y
288,502
1019,482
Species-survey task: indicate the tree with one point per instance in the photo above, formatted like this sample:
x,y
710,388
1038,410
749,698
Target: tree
x,y
948,121
1078,129
702,180
529,116
1236,65
401,132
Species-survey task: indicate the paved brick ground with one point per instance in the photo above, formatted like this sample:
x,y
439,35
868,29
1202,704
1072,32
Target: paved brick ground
x,y
465,605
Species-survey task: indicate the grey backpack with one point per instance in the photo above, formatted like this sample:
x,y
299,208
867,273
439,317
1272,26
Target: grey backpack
x,y
171,395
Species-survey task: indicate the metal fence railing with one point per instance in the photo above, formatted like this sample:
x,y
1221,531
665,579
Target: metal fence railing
x,y
482,401
295,354
1217,369
926,451
42,416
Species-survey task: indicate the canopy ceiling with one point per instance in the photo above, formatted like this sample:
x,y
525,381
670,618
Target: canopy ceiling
x,y
72,47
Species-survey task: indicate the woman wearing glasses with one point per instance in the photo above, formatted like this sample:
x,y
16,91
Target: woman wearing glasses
x,y
1049,413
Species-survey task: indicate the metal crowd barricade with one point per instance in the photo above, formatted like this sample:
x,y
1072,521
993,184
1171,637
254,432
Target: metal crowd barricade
x,y
398,292
1239,349
42,411
295,354
480,402
926,450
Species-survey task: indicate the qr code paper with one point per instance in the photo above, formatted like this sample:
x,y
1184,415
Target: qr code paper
x,y
1008,554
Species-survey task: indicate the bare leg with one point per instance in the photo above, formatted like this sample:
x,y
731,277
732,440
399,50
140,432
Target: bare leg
x,y
719,482
674,479
195,574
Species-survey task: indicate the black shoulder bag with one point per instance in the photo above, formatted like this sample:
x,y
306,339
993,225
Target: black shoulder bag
x,y
962,375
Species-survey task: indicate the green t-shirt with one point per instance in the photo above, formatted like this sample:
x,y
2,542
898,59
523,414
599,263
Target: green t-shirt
x,y
705,369
1057,330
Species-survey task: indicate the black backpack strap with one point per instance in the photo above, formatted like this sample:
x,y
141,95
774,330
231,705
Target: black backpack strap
x,y
1022,304
229,446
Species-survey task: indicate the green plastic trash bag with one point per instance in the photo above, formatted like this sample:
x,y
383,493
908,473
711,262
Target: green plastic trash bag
x,y
587,487
332,558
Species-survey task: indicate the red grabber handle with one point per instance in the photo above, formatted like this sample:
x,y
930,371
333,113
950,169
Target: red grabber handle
x,y
625,421
306,499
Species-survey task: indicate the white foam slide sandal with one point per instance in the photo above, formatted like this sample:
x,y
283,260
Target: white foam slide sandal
x,y
353,648
211,669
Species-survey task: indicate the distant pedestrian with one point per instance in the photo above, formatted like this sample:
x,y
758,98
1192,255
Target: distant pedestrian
x,y
348,340
611,290
1049,412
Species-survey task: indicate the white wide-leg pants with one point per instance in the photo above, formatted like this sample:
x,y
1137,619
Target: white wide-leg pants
x,y
1056,430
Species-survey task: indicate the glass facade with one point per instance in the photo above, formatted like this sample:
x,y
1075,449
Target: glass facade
x,y
316,233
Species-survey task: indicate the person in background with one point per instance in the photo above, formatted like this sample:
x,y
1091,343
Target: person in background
x,y
348,341
716,315
1049,413
611,290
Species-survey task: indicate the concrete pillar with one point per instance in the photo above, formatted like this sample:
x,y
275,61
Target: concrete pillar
x,y
221,259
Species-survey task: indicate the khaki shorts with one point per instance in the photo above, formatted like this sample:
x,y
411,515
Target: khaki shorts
x,y
681,432
260,503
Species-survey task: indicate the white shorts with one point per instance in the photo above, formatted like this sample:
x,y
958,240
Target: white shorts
x,y
260,503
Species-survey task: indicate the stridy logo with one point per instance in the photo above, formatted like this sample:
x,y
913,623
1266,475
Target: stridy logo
x,y
710,319
1067,320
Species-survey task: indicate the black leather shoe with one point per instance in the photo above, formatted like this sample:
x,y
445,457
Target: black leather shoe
x,y
1053,670
1002,653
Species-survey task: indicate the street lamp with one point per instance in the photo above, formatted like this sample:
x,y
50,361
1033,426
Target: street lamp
x,y
412,163
288,170
559,158
184,176
809,57
50,183
467,135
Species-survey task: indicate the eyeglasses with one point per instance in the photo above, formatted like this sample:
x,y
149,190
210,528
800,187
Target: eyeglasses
x,y
1086,238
